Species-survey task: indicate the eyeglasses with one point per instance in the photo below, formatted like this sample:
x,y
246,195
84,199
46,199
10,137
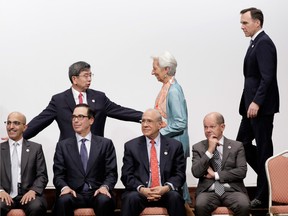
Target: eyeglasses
x,y
16,123
86,75
78,117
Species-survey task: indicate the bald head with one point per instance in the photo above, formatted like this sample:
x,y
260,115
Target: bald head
x,y
16,125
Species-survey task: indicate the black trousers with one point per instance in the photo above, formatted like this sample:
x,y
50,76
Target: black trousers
x,y
260,129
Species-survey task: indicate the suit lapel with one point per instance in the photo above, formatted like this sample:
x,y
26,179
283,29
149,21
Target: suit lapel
x,y
73,150
70,99
6,160
94,152
226,151
144,153
164,151
25,155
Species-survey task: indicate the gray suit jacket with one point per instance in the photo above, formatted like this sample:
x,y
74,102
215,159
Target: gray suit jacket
x,y
33,167
234,165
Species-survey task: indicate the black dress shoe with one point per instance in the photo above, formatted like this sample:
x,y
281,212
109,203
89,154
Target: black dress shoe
x,y
255,203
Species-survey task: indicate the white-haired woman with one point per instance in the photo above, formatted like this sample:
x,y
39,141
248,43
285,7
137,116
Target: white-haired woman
x,y
172,105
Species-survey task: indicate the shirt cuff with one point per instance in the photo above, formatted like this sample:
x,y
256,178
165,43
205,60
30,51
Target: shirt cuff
x,y
138,188
170,185
216,176
209,155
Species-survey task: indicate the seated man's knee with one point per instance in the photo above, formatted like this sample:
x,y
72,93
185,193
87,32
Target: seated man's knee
x,y
36,206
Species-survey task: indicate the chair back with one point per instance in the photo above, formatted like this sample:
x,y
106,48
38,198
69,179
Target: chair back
x,y
277,175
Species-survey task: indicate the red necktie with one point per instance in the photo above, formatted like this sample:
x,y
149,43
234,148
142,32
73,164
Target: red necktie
x,y
80,97
154,165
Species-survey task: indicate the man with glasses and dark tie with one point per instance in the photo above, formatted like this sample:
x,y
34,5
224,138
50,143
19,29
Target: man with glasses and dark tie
x,y
62,105
85,168
23,172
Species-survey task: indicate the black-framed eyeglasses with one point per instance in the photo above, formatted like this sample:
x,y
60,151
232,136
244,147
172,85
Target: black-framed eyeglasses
x,y
17,123
78,117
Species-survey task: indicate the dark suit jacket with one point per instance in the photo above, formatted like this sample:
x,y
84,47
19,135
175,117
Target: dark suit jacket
x,y
61,109
101,167
135,169
234,167
260,72
33,167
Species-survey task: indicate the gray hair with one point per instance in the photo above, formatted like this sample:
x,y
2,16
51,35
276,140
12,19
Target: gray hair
x,y
166,59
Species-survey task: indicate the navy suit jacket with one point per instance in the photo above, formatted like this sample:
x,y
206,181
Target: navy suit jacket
x,y
33,168
136,169
101,168
61,109
234,166
260,72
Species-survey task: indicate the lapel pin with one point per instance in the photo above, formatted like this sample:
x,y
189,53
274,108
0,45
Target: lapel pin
x,y
252,45
93,100
165,153
229,147
27,150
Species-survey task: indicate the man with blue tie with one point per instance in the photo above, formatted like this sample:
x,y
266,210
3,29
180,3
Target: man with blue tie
x,y
85,168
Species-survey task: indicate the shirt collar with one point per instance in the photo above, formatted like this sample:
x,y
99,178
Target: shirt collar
x,y
256,34
157,140
87,137
11,142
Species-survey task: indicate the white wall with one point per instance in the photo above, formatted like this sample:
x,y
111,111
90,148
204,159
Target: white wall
x,y
40,39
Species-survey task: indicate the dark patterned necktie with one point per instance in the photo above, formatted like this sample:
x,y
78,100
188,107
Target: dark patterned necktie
x,y
219,188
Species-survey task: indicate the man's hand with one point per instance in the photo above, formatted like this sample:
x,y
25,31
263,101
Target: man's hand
x,y
252,110
154,194
30,195
5,197
68,190
210,173
102,190
213,142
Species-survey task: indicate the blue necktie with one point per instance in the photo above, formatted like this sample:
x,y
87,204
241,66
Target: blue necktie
x,y
84,159
84,154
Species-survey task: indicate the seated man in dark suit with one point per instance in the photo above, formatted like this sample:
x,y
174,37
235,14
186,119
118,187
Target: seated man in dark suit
x,y
85,168
220,165
61,106
153,170
23,173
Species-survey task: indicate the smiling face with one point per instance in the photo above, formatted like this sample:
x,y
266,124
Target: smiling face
x,y
248,25
158,72
151,123
15,126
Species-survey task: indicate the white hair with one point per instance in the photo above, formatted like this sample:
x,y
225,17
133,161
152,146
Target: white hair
x,y
166,59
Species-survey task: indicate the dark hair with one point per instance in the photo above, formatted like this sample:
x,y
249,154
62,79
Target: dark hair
x,y
256,14
76,68
90,112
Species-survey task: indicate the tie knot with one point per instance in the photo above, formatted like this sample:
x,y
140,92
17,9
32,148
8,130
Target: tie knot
x,y
83,140
16,144
152,142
